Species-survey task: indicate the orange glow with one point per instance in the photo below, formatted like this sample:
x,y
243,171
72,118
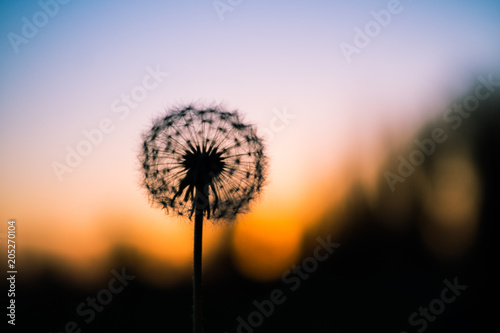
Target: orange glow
x,y
266,247
82,245
451,202
268,241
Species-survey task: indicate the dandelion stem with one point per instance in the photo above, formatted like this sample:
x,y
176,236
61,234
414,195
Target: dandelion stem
x,y
198,237
206,162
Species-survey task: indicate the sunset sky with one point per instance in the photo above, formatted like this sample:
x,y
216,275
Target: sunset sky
x,y
114,65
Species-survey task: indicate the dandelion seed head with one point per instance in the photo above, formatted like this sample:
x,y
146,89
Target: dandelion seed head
x,y
202,158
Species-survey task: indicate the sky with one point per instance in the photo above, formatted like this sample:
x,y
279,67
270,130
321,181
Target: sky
x,y
102,70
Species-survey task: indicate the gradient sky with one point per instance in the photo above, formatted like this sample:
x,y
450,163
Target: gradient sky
x,y
264,57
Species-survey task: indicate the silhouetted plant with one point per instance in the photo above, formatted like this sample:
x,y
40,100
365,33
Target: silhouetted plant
x,y
206,162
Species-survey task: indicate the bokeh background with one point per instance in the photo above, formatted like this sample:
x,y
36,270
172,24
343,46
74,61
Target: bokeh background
x,y
333,129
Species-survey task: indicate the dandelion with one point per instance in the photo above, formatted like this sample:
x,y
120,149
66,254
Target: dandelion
x,y
206,163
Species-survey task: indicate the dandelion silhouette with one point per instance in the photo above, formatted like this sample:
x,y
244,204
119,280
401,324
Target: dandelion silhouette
x,y
204,162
